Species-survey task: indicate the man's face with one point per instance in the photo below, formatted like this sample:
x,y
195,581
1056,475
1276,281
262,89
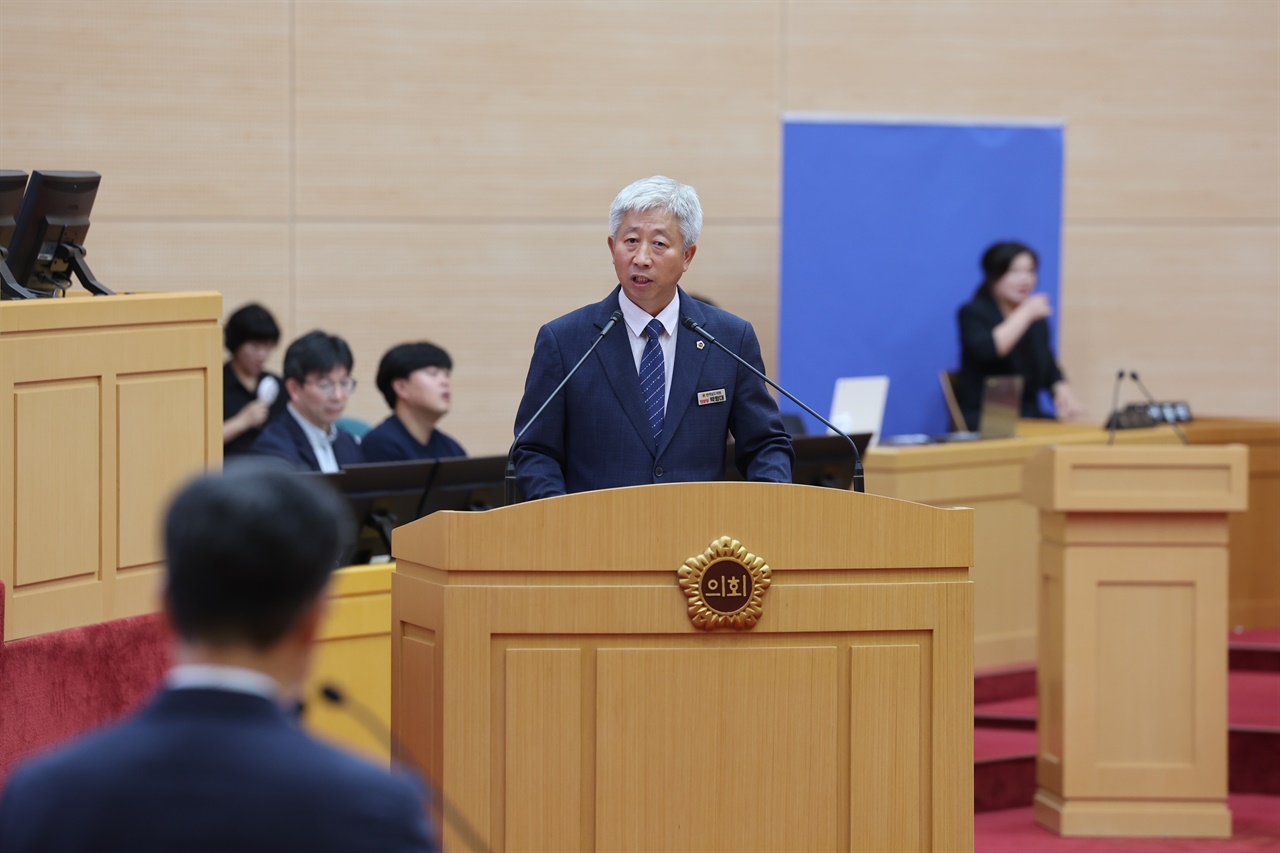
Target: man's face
x,y
323,396
425,390
649,257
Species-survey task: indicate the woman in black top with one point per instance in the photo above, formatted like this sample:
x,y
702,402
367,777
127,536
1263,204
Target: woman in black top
x,y
1003,331
250,395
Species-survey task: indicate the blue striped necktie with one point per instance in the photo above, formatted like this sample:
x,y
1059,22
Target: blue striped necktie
x,y
653,380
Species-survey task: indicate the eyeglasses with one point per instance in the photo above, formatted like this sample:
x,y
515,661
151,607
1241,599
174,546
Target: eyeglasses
x,y
327,387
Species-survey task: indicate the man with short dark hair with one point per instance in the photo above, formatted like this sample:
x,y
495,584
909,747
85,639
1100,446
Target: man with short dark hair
x,y
216,761
317,378
415,381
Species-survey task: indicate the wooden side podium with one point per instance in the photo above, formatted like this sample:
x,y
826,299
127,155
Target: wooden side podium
x,y
106,404
1132,667
547,673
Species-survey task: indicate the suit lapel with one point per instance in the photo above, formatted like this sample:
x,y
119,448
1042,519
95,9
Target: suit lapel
x,y
685,374
303,444
619,367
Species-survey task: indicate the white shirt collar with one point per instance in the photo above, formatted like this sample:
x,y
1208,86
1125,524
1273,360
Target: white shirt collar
x,y
189,676
313,432
637,318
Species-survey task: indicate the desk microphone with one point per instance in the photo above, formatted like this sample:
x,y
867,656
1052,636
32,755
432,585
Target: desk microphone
x,y
509,482
858,485
1133,374
370,723
1115,408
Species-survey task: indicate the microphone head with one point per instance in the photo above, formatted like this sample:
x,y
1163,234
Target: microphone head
x,y
687,322
331,693
615,317
268,389
1119,375
1133,374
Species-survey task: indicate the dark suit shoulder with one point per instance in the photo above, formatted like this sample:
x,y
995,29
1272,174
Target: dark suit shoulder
x,y
260,782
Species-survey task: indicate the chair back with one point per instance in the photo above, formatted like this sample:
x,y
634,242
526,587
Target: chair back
x,y
948,380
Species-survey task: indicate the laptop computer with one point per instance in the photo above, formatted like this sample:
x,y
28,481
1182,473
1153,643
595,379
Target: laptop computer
x,y
1001,403
857,405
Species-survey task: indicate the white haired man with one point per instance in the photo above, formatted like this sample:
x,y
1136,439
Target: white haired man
x,y
654,403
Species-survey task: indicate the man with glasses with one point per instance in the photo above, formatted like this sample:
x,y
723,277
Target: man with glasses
x,y
317,378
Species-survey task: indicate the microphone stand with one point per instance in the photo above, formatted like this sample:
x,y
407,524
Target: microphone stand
x,y
370,722
1115,408
509,481
1133,374
858,485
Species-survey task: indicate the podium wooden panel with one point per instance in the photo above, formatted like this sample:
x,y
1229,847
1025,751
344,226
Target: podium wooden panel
x,y
1133,614
989,476
106,405
547,674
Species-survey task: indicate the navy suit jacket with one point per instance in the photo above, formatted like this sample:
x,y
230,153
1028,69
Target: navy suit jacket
x,y
284,438
208,770
595,434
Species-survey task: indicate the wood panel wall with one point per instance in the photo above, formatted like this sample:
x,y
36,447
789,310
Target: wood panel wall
x,y
395,171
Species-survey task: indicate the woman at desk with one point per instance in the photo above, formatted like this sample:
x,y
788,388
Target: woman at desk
x,y
250,395
1003,330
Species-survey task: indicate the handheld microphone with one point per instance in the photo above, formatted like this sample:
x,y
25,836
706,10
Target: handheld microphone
x,y
1133,374
1114,420
370,723
509,482
691,325
268,389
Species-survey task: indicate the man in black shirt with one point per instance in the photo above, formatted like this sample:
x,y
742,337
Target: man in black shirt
x,y
415,381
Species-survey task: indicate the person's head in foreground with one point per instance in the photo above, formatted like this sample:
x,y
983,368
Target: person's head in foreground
x,y
250,552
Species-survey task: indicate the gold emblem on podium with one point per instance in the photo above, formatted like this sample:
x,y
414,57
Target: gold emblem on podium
x,y
725,585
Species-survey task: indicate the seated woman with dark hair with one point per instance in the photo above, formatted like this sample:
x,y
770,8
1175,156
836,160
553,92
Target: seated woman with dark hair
x,y
1003,330
250,395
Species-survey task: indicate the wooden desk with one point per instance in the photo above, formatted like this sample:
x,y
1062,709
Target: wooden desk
x,y
353,652
988,476
107,404
1253,561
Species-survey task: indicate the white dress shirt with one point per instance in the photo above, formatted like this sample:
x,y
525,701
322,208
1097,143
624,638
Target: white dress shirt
x,y
636,318
321,441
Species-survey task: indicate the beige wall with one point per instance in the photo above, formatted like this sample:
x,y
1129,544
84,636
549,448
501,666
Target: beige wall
x,y
441,170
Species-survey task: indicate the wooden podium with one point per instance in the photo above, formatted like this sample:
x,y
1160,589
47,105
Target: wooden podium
x,y
1133,635
106,404
547,672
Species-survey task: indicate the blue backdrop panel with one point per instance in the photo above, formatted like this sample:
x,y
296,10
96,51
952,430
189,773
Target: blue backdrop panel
x,y
883,226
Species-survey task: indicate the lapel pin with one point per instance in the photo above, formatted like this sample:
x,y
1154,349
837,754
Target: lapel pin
x,y
701,344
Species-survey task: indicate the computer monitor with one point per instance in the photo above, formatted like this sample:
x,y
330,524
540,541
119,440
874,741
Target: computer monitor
x,y
385,495
467,484
12,184
382,496
821,460
48,237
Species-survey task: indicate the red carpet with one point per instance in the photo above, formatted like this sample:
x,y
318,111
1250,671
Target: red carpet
x,y
1253,699
1255,824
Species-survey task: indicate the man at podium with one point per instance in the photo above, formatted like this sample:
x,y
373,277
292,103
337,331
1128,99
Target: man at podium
x,y
655,402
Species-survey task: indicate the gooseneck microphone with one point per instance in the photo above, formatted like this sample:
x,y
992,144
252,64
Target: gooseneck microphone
x,y
1114,420
509,482
690,324
370,722
1133,374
